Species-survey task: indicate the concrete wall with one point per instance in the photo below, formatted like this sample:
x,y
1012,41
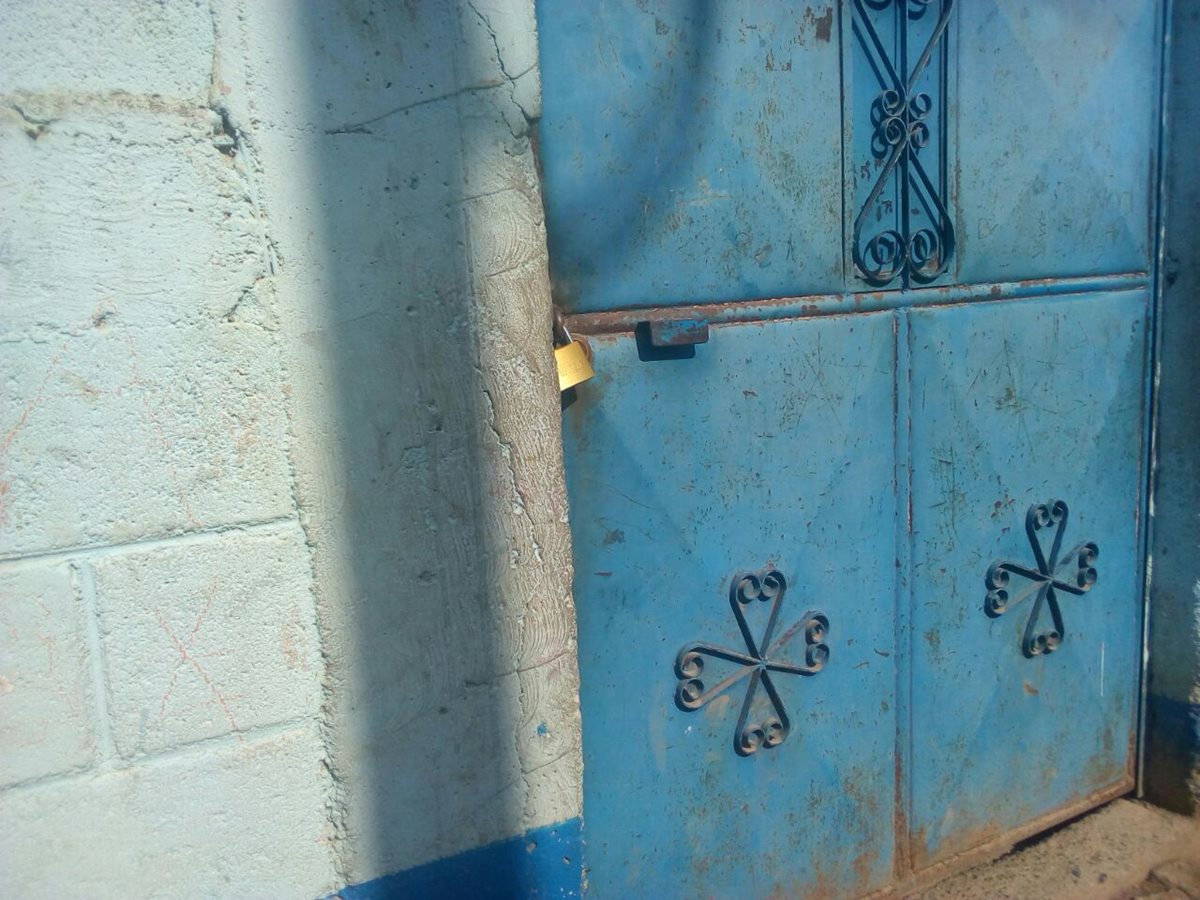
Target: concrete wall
x,y
1173,715
284,563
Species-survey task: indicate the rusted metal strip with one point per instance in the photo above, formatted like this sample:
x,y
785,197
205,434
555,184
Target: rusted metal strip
x,y
754,310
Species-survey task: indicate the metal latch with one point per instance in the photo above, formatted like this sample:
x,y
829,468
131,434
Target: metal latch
x,y
660,339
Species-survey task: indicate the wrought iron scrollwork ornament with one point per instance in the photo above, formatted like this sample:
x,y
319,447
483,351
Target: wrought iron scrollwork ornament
x,y
1074,573
918,248
757,662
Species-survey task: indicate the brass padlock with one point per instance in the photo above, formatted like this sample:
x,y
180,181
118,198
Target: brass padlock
x,y
572,356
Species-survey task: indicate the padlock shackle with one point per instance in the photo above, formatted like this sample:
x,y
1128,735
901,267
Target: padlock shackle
x,y
562,335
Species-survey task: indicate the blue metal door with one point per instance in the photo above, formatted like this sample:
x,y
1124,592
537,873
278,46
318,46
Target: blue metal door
x,y
857,491
725,494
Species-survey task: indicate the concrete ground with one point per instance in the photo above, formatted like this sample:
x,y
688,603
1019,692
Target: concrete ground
x,y
1122,851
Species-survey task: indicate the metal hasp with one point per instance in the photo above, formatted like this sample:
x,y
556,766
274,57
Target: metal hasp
x,y
907,115
677,332
661,339
757,662
670,339
1045,579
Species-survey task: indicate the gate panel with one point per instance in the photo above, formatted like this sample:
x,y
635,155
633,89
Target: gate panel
x,y
1018,406
770,454
1056,133
935,156
695,151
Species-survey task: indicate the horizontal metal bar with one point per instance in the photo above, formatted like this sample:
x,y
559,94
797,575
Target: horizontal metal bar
x,y
626,320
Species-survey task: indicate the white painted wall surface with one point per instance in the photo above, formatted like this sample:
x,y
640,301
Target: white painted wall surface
x,y
284,562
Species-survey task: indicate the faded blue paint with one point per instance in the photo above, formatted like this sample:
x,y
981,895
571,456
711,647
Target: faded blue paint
x,y
879,448
544,862
681,474
1013,404
691,151
1056,136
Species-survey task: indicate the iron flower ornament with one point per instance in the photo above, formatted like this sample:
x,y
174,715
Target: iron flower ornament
x,y
759,661
1073,572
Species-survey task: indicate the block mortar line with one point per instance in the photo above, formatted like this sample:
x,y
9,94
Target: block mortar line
x,y
183,538
180,752
74,772
29,104
106,749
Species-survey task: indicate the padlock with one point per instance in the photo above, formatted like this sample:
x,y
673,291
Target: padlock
x,y
574,364
572,356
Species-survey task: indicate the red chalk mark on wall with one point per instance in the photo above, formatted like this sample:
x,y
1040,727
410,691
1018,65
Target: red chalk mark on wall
x,y
188,658
100,317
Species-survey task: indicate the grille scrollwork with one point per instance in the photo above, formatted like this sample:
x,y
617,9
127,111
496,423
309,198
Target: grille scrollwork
x,y
917,246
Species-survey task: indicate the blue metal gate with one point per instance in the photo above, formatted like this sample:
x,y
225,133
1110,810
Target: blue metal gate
x,y
856,494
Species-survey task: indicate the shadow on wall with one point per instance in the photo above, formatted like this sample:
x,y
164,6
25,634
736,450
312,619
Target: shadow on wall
x,y
413,286
395,151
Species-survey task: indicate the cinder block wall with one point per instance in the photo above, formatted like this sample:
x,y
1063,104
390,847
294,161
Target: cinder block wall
x,y
284,562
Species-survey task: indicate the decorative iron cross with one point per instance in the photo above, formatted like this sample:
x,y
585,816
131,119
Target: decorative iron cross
x,y
757,662
1045,580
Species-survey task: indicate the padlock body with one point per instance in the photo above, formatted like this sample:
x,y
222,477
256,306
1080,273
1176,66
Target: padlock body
x,y
574,364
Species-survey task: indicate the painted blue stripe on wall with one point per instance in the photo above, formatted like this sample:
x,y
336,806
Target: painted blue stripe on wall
x,y
545,862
